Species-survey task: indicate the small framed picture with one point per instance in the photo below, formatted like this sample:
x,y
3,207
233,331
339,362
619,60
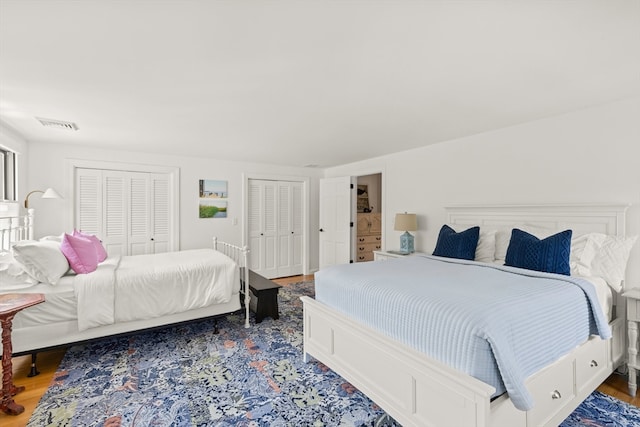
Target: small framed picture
x,y
213,198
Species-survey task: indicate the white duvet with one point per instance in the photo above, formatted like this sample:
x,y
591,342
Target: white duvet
x,y
139,287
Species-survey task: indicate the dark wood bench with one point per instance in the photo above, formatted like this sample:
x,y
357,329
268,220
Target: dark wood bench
x,y
264,297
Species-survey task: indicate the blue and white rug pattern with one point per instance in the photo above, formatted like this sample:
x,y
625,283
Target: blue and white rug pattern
x,y
188,376
602,410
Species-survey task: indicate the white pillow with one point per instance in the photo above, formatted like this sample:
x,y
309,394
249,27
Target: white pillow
x,y
584,249
57,239
610,262
12,274
486,248
44,261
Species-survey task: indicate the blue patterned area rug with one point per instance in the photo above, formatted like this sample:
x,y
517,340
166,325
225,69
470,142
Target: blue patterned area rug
x,y
188,376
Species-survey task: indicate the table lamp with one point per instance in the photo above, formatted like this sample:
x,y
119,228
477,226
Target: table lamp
x,y
406,222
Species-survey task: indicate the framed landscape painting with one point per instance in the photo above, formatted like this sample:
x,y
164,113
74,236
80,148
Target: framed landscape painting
x,y
213,198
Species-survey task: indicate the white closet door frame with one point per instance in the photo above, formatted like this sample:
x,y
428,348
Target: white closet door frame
x,y
174,189
305,210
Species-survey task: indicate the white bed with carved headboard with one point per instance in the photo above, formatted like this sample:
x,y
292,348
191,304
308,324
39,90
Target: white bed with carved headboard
x,y
418,390
123,294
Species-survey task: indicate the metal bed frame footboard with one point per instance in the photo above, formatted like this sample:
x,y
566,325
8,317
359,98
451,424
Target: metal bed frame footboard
x,y
241,256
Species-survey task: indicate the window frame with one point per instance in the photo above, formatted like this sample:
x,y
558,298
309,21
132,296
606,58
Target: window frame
x,y
8,175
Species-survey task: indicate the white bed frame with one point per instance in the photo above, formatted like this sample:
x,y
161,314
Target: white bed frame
x,y
419,391
37,338
15,228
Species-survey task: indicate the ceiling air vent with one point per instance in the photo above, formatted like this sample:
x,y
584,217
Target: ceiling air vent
x,y
57,124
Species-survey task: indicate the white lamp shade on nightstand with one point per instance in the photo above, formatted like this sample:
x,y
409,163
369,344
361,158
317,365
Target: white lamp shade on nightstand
x,y
406,222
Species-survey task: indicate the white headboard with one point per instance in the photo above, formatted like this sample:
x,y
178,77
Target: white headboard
x,y
607,219
14,229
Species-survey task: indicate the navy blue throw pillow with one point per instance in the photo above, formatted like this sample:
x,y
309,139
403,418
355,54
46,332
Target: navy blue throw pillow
x,y
460,245
550,255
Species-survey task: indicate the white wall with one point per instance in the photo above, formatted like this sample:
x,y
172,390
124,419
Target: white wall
x,y
588,156
47,168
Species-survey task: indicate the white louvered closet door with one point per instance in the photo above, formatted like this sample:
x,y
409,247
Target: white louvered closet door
x,y
254,219
275,227
89,206
160,213
262,227
114,219
129,211
289,232
297,220
138,213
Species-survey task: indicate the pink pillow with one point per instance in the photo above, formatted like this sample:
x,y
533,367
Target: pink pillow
x,y
80,252
102,253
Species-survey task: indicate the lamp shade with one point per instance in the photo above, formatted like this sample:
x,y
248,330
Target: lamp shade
x,y
406,222
50,193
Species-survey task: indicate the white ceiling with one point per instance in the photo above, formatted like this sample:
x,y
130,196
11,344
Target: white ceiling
x,y
306,82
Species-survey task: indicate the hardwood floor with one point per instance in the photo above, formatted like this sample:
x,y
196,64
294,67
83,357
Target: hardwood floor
x,y
615,385
35,387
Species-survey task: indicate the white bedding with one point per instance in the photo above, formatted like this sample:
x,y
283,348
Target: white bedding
x,y
61,303
59,306
146,286
604,293
498,324
137,287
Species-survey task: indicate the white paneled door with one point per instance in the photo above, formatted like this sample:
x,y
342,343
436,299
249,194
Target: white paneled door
x,y
275,227
129,211
336,222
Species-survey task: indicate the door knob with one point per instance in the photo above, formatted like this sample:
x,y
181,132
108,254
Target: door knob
x,y
321,230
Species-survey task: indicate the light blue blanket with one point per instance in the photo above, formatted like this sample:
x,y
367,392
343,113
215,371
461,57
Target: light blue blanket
x,y
498,324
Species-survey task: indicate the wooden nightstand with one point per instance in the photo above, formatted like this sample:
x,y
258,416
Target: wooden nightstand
x,y
385,255
10,305
633,319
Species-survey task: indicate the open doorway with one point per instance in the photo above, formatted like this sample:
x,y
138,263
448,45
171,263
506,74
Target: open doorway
x,y
369,216
340,218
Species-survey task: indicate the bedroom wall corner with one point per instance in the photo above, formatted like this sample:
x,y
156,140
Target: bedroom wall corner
x,y
586,156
